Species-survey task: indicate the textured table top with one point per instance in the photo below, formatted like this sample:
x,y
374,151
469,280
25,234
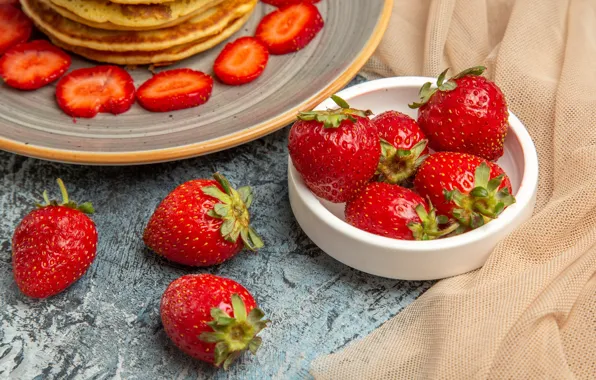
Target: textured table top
x,y
107,325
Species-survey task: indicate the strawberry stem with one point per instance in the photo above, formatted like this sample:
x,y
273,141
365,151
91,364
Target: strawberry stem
x,y
397,165
46,198
333,118
85,207
63,191
340,102
426,91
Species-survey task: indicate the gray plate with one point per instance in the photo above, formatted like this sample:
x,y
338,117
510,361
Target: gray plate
x,y
31,123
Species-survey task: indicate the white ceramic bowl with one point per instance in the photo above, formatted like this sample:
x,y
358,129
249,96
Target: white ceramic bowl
x,y
324,222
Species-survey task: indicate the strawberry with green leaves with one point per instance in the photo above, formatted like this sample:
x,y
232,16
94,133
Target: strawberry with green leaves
x,y
464,187
335,151
211,318
53,246
467,114
202,222
395,212
403,147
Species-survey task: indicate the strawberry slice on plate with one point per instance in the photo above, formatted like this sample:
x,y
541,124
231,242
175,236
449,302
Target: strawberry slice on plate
x,y
241,61
87,92
281,3
15,26
290,28
32,65
174,90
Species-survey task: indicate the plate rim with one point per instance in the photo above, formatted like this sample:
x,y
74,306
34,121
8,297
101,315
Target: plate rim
x,y
214,145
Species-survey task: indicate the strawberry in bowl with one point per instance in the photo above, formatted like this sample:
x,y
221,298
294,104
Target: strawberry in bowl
x,y
467,113
422,214
336,151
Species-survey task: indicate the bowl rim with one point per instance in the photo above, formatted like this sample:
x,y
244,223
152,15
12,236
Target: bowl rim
x,y
524,195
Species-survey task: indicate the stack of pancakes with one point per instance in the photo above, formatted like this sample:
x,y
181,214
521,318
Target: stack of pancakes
x,y
138,32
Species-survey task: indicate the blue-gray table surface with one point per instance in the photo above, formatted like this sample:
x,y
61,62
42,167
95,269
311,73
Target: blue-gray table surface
x,y
107,325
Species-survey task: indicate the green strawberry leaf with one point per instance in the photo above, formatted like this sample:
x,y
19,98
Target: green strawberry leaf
x,y
238,307
246,195
217,193
86,208
254,344
474,71
441,77
481,175
222,209
479,192
448,86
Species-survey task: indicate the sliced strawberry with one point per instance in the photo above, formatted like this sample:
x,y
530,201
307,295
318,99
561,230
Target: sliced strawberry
x,y
290,28
174,90
241,61
87,92
281,3
32,65
11,2
15,27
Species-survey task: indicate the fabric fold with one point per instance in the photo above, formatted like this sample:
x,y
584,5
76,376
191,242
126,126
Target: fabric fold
x,y
528,313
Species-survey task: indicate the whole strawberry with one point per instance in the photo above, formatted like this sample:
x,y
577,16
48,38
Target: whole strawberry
x,y
403,146
202,222
335,151
210,318
53,246
468,114
395,212
467,188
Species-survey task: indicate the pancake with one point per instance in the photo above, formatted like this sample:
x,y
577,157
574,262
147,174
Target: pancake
x,y
211,22
141,1
157,58
103,14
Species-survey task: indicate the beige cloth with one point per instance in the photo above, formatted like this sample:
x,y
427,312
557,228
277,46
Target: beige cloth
x,y
530,312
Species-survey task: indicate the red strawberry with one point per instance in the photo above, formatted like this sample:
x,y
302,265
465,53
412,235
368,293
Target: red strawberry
x,y
211,318
403,146
53,246
468,188
32,65
468,114
395,212
336,151
202,222
281,3
11,2
176,89
15,27
290,28
87,92
241,61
